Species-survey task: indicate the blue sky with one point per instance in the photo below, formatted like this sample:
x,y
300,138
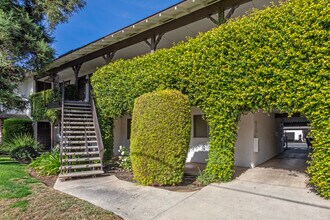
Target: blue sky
x,y
101,17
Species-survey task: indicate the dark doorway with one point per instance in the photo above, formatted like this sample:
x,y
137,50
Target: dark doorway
x,y
82,88
44,135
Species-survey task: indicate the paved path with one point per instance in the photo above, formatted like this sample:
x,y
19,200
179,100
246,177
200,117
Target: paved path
x,y
275,190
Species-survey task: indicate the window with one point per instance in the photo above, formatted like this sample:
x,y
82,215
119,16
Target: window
x,y
129,125
200,127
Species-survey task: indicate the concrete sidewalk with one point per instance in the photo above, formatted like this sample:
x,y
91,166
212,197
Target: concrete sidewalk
x,y
239,199
125,199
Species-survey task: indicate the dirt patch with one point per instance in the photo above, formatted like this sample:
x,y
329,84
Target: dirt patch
x,y
47,203
188,184
47,180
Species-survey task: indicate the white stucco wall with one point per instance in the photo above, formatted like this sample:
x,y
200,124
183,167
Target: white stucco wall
x,y
244,142
266,132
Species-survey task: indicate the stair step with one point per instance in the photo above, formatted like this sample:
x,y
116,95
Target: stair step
x,y
82,159
82,166
78,115
77,108
77,104
78,123
77,127
79,136
79,142
78,119
78,132
77,111
80,147
81,153
84,173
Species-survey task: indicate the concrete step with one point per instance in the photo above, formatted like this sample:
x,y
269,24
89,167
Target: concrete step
x,y
78,174
82,159
82,166
81,153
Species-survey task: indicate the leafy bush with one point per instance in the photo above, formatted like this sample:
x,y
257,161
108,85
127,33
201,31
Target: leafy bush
x,y
23,148
48,164
24,154
125,161
16,126
276,58
159,146
39,102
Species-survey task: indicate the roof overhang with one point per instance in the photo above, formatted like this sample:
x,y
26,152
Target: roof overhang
x,y
164,21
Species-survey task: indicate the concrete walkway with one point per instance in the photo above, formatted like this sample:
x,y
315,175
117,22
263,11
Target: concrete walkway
x,y
274,190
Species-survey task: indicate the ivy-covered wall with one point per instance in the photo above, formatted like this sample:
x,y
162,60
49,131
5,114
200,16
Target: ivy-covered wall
x,y
277,58
39,102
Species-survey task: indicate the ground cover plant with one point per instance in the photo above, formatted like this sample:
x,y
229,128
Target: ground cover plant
x,y
277,58
47,164
159,146
23,197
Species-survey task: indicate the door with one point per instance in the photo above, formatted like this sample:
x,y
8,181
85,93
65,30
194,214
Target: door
x,y
82,88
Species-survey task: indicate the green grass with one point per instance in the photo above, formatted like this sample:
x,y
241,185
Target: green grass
x,y
24,197
14,179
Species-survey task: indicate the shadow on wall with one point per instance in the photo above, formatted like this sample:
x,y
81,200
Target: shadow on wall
x,y
198,153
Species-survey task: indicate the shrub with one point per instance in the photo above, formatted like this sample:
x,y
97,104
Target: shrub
x,y
24,154
39,102
48,164
23,148
125,161
159,146
276,58
16,126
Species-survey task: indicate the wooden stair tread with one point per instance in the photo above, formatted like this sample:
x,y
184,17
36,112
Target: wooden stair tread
x,y
80,153
84,173
82,159
82,166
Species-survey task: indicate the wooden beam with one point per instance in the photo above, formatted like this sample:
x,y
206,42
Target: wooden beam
x,y
109,56
154,41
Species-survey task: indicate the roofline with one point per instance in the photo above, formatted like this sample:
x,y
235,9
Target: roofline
x,y
207,8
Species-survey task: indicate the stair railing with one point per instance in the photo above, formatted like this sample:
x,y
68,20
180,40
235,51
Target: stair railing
x,y
62,128
97,128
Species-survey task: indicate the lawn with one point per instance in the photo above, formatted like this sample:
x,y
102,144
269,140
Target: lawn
x,y
24,197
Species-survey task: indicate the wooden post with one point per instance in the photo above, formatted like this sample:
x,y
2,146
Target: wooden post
x,y
76,70
109,56
154,41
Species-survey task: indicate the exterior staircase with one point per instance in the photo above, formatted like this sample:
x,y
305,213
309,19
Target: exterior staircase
x,y
81,144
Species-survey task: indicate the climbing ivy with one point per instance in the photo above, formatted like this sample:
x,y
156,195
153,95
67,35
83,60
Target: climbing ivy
x,y
39,104
277,58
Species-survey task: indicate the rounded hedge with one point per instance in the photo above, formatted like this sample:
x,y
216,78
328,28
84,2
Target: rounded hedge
x,y
16,126
160,137
277,58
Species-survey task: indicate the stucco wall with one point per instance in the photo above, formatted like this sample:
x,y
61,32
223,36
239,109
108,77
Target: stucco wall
x,y
244,142
266,132
120,133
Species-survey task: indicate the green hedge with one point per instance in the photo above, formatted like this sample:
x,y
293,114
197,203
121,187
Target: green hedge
x,y
277,58
16,126
158,145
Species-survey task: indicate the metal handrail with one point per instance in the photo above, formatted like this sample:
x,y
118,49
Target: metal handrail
x,y
62,128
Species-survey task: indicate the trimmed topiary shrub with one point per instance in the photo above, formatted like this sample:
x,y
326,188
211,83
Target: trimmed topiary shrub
x,y
160,137
16,126
277,58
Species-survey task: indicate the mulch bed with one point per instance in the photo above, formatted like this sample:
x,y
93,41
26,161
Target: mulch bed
x,y
188,184
47,180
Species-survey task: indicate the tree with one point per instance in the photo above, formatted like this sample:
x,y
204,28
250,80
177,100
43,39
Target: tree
x,y
26,28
